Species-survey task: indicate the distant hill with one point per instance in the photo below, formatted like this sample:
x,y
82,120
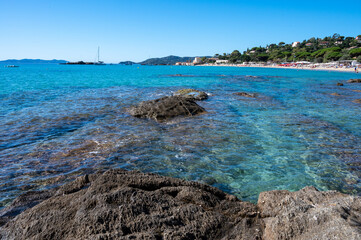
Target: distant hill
x,y
127,63
170,60
32,61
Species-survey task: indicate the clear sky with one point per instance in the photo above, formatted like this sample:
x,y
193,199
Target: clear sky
x,y
139,29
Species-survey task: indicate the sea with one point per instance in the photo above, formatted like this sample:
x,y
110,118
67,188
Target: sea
x,y
58,122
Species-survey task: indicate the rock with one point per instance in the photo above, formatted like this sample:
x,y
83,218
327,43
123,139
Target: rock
x,y
22,203
244,94
310,214
357,101
356,90
339,84
354,81
121,204
335,94
250,76
166,108
131,205
179,75
192,94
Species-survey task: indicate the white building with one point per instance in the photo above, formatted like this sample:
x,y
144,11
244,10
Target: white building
x,y
197,60
221,61
295,44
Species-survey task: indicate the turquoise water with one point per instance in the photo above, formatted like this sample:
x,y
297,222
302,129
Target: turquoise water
x,y
59,122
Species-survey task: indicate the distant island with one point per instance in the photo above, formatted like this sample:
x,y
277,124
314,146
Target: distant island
x,y
31,61
127,63
169,60
83,63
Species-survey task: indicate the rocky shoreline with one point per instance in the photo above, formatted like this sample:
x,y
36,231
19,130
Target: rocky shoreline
x,y
120,204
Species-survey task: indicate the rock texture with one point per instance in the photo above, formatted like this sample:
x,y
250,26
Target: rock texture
x,y
354,81
357,101
119,204
132,205
340,84
244,94
166,108
310,214
192,94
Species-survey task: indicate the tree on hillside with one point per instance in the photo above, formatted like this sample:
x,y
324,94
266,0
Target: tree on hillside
x,y
355,52
235,56
332,56
302,56
245,58
336,36
263,57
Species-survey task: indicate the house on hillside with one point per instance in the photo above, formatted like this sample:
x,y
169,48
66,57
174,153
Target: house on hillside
x,y
221,61
338,42
295,44
324,43
197,60
309,44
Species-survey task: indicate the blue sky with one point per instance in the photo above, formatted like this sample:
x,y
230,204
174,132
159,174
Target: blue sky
x,y
139,29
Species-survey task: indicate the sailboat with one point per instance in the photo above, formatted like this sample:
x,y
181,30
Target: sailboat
x,y
99,62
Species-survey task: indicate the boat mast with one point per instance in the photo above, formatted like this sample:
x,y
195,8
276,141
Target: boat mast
x,y
98,53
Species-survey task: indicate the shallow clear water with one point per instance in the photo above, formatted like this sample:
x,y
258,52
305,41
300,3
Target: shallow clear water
x,y
58,122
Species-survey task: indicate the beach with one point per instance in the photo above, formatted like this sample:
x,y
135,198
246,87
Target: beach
x,y
338,69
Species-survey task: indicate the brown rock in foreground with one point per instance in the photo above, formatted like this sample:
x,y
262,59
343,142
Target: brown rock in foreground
x,y
310,214
166,108
131,205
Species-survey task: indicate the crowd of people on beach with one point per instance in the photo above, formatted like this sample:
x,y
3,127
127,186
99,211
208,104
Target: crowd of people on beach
x,y
337,66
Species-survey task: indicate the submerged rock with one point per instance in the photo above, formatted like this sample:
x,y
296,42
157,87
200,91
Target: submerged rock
x,y
357,101
339,84
244,94
122,204
336,94
354,81
180,75
166,108
192,94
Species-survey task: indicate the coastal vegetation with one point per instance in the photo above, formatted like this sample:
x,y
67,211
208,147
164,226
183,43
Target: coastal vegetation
x,y
318,50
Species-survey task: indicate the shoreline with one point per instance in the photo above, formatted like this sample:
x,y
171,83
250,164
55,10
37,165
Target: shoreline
x,y
350,70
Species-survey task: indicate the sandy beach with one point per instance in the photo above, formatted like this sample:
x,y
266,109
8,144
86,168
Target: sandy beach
x,y
339,69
